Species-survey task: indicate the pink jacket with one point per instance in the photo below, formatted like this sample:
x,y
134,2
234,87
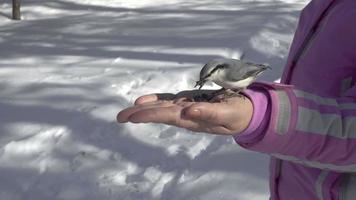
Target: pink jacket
x,y
308,123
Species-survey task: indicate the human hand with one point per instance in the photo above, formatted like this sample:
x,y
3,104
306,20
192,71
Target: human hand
x,y
226,117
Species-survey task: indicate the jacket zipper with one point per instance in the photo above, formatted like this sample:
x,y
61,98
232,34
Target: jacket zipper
x,y
301,51
310,38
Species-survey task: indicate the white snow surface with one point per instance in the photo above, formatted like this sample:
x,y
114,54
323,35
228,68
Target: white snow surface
x,y
69,66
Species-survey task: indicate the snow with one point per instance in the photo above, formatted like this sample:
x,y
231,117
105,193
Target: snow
x,y
69,66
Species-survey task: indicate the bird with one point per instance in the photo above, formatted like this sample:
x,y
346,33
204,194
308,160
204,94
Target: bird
x,y
233,75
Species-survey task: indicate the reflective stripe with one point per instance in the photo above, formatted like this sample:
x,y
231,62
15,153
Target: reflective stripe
x,y
313,121
323,100
347,106
317,99
319,184
348,168
284,112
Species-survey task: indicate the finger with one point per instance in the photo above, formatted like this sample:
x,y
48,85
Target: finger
x,y
146,99
154,97
184,104
156,115
228,114
204,111
217,130
124,115
172,116
182,100
167,115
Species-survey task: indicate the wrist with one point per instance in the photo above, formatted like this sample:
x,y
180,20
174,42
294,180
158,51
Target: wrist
x,y
259,101
246,112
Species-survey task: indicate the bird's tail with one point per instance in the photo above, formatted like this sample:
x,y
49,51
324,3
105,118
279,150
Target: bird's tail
x,y
261,66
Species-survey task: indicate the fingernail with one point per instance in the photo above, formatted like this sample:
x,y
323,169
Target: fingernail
x,y
195,112
119,119
189,113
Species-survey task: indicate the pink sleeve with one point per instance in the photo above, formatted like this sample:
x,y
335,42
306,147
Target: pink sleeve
x,y
260,117
292,124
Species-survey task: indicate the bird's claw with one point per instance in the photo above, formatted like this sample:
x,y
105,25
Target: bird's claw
x,y
224,94
199,83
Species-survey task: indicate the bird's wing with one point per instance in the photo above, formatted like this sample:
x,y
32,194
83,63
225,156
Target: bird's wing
x,y
248,70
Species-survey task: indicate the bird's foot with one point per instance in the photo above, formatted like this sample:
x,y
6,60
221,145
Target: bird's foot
x,y
224,94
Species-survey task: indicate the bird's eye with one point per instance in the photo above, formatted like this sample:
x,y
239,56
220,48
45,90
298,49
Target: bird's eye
x,y
217,68
220,66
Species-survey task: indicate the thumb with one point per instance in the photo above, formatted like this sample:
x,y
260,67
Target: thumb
x,y
202,111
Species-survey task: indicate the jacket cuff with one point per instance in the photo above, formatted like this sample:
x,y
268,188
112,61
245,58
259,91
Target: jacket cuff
x,y
260,117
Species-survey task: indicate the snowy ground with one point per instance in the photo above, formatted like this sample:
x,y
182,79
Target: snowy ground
x,y
69,66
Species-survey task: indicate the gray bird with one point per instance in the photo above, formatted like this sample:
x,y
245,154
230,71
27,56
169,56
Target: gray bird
x,y
231,74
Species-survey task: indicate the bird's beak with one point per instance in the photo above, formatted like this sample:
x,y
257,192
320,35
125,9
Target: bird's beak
x,y
200,83
266,66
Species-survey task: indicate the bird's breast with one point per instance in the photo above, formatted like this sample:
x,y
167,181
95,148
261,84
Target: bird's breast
x,y
234,84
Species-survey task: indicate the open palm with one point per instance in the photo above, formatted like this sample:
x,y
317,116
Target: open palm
x,y
187,110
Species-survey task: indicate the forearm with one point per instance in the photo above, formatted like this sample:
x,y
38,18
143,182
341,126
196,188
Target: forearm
x,y
306,128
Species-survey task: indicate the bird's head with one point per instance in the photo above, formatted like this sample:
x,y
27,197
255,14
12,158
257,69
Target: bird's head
x,y
209,71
